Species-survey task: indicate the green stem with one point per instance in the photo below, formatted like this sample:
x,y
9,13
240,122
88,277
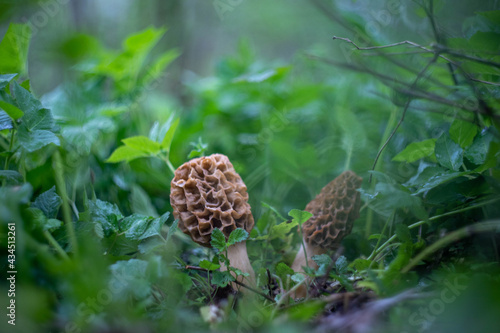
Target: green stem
x,y
419,223
169,164
61,186
453,237
381,234
55,244
7,159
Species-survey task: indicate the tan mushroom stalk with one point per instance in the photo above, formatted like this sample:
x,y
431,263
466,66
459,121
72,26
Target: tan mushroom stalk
x,y
334,210
207,193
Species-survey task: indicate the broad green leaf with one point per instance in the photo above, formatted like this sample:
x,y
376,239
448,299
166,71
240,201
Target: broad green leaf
x,y
279,231
142,143
478,150
172,230
25,101
125,153
439,179
208,265
104,213
300,216
140,203
167,139
221,279
298,277
236,236
282,270
448,153
131,276
11,197
218,240
390,197
48,202
415,151
41,222
12,110
463,132
5,79
14,49
139,227
36,139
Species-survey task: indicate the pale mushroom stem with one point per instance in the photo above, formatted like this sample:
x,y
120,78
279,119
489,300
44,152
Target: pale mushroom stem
x,y
238,258
301,261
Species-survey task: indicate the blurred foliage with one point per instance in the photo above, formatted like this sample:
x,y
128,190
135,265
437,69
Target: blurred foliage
x,y
87,169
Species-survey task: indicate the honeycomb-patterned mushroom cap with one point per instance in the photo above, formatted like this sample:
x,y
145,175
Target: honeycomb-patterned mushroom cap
x,y
334,210
207,193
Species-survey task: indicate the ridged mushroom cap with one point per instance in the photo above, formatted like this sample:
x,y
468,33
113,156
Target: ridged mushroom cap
x,y
334,210
207,193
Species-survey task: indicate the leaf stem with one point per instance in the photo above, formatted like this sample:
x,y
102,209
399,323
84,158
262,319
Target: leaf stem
x,y
61,186
55,244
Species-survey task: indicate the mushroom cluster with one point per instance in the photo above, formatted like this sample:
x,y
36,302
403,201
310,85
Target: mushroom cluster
x,y
334,210
207,193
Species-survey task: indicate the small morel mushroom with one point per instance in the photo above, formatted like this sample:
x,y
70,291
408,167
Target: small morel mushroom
x,y
334,210
207,193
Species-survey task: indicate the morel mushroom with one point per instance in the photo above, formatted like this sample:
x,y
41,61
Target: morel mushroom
x,y
334,210
207,193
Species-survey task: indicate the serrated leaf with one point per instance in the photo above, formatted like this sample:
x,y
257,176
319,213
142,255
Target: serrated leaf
x,y
448,153
13,111
300,216
282,270
218,240
208,265
142,143
139,227
125,153
104,213
280,230
36,139
463,132
14,49
99,231
26,102
222,279
236,236
48,202
41,222
11,177
415,151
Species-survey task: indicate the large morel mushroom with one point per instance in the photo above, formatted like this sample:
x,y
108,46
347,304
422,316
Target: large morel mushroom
x,y
207,193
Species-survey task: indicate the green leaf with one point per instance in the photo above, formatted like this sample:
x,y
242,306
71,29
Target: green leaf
x,y
448,153
236,236
439,179
154,71
36,139
169,135
139,227
131,278
415,151
208,265
48,202
361,264
104,213
140,202
172,230
5,79
298,277
26,102
12,110
41,222
142,143
322,260
11,177
300,216
218,240
14,49
478,150
282,270
463,132
341,265
5,121
125,153
403,232
221,279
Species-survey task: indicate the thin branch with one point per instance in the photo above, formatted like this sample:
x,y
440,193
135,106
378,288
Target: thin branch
x,y
402,115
